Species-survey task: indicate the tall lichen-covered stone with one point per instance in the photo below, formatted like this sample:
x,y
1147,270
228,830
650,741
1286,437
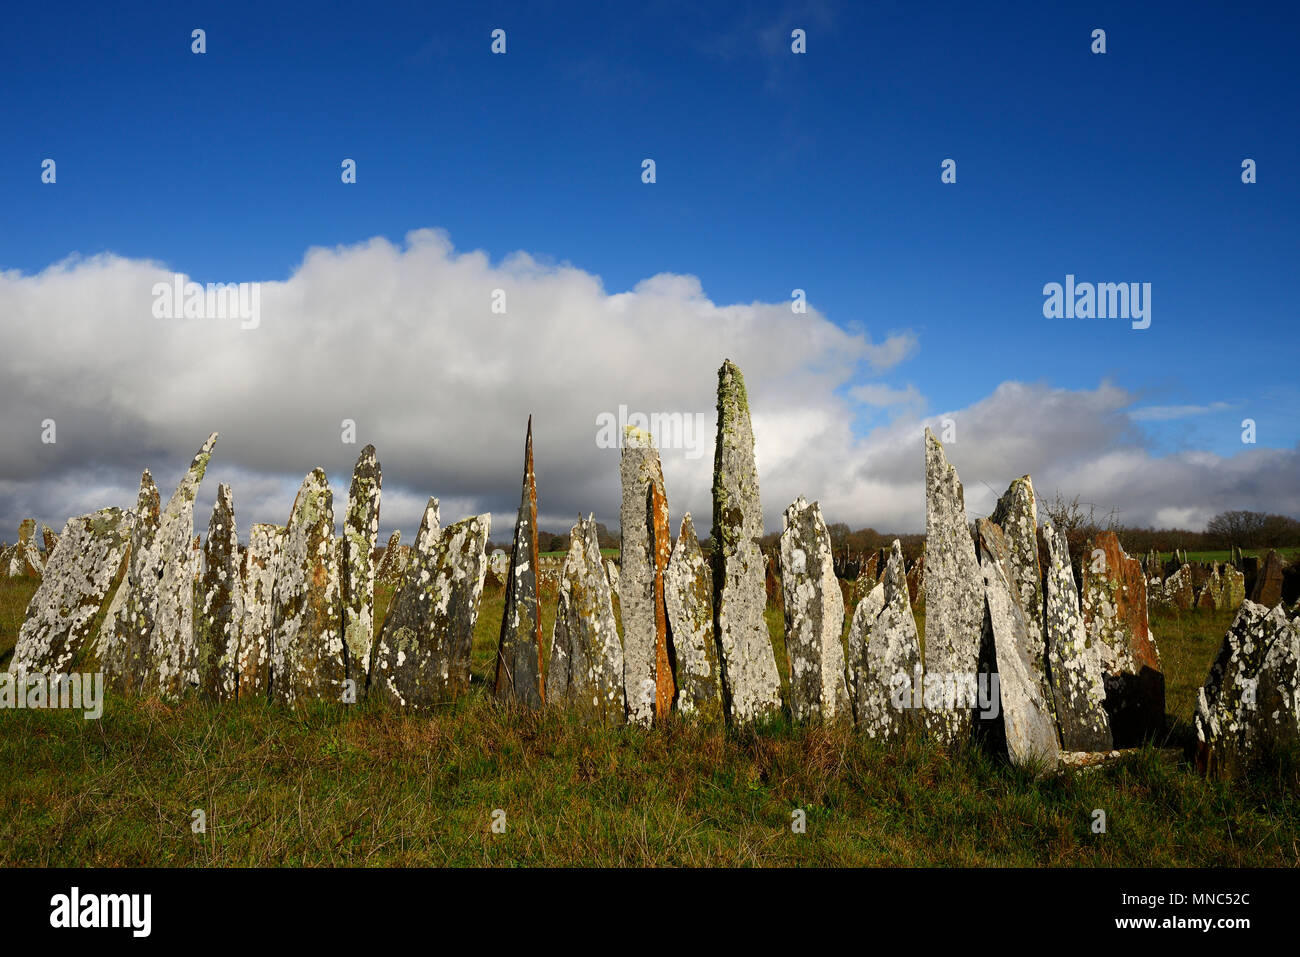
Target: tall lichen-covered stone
x,y
868,575
1077,688
390,569
751,683
585,671
1211,591
1268,583
220,609
1115,616
360,529
1233,588
814,616
127,635
76,581
257,624
954,600
173,654
422,656
611,569
1178,590
884,654
688,597
307,637
519,674
661,547
1028,717
1249,710
1016,514
639,470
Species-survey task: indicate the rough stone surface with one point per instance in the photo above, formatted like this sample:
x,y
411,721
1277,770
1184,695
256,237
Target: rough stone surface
x,y
520,674
611,568
1078,691
25,556
814,616
50,539
1028,717
639,470
1179,592
1115,616
585,671
76,581
360,529
1232,588
1248,708
661,547
220,611
954,602
916,580
307,634
422,656
1016,514
390,569
260,560
751,683
688,596
1268,583
127,632
883,652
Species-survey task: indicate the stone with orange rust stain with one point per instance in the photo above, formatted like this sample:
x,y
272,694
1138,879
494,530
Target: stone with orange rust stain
x,y
660,551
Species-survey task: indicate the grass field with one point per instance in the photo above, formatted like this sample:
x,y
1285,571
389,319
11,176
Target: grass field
x,y
324,785
1224,555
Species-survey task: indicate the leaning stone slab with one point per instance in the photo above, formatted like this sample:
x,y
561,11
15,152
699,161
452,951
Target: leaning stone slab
x,y
1016,514
884,655
954,602
814,616
1078,692
585,671
1248,710
1027,714
360,528
422,656
688,596
76,581
220,610
257,623
1115,617
751,682
520,676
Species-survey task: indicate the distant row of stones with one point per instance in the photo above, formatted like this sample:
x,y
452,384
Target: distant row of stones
x,y
290,616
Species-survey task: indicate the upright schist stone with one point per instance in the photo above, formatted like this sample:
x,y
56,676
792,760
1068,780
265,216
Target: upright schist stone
x,y
1268,583
1233,588
50,539
1249,709
868,575
661,548
1077,687
639,470
257,624
519,674
126,637
814,616
884,655
688,597
1178,591
26,556
220,610
954,601
916,580
751,682
360,529
585,671
1115,617
388,573
76,581
611,569
1016,514
307,636
1027,715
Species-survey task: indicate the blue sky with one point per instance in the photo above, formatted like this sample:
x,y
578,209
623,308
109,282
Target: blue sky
x,y
774,170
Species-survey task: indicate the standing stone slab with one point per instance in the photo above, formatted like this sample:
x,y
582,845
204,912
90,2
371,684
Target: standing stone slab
x,y
1016,514
307,636
1248,708
520,674
25,559
611,569
751,682
814,616
51,540
1179,592
1077,687
257,623
688,597
1232,588
388,573
640,470
220,611
76,581
1026,695
1115,616
661,548
128,632
422,656
1268,584
585,671
954,603
360,529
885,655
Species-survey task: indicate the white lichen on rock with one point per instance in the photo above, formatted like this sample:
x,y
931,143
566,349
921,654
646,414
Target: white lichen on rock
x,y
688,595
360,530
884,654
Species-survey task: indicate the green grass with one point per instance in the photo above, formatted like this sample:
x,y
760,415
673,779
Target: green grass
x,y
324,785
1289,553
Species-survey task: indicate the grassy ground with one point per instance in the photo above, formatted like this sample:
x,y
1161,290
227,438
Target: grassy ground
x,y
327,786
1289,554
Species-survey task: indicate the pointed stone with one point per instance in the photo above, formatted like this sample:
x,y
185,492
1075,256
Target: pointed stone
x,y
51,540
390,570
307,637
220,604
1028,717
76,581
954,610
1115,616
129,633
1016,514
868,575
360,530
814,616
1078,691
585,671
422,656
1268,583
260,559
1211,591
519,674
688,597
884,654
751,682
639,470
25,558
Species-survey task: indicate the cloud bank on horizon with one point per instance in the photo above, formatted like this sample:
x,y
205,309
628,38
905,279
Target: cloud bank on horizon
x,y
403,341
